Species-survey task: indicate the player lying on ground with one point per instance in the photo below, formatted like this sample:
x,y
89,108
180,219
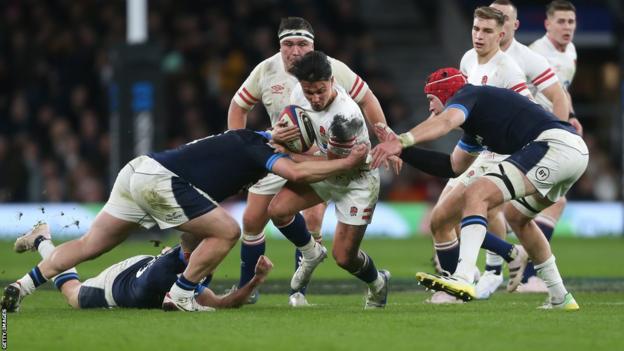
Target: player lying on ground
x,y
546,158
181,188
139,281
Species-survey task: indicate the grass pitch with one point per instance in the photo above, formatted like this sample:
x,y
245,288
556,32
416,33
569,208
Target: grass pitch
x,y
338,322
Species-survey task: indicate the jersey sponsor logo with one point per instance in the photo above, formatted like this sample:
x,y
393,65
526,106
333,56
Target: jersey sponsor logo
x,y
277,89
542,173
484,80
144,268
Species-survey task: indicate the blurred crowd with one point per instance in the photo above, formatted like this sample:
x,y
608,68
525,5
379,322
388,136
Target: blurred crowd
x,y
55,71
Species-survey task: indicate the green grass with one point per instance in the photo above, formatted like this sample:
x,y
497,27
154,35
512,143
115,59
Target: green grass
x,y
576,257
337,322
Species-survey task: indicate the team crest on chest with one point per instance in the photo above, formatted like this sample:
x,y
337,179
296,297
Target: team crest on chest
x,y
484,80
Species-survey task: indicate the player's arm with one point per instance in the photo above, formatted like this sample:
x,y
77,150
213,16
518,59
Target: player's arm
x,y
237,116
557,96
237,298
371,108
244,99
430,129
314,171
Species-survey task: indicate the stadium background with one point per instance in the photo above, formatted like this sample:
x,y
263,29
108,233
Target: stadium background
x,y
61,75
58,83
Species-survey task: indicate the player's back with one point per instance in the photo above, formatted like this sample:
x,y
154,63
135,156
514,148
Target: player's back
x,y
501,120
223,164
145,283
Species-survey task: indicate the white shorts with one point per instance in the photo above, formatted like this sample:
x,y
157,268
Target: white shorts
x,y
147,193
269,185
106,279
553,162
479,167
354,197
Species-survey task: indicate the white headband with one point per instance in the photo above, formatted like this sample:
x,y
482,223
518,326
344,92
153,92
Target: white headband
x,y
296,34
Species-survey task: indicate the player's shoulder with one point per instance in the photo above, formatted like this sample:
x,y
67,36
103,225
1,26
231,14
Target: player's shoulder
x,y
469,58
523,52
270,64
540,45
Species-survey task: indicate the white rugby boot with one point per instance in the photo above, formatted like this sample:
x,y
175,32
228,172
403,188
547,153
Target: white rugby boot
x,y
303,274
488,284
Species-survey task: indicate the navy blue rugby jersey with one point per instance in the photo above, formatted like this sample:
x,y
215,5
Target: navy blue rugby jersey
x,y
222,165
145,283
500,120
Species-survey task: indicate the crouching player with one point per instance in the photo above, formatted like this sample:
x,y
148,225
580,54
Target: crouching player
x,y
140,281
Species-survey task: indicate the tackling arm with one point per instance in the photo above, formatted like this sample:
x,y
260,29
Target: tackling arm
x,y
314,171
431,129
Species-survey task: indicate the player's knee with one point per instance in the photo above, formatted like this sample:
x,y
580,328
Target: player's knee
x,y
232,232
516,219
280,214
254,221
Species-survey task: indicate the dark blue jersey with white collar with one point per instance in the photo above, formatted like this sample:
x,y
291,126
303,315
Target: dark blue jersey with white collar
x,y
224,164
500,120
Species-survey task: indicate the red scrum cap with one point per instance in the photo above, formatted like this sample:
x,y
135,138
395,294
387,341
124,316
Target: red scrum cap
x,y
444,83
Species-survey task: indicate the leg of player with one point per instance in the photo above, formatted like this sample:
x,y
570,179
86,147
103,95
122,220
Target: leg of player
x,y
492,276
314,221
255,219
284,212
538,248
105,233
444,216
347,253
546,221
220,232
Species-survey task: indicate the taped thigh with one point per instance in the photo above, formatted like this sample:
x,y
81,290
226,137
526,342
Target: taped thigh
x,y
508,179
530,206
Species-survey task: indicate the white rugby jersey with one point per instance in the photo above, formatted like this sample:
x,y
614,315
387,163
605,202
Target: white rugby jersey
x,y
539,74
563,63
270,84
500,71
322,120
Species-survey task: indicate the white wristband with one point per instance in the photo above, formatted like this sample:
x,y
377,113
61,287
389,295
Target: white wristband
x,y
406,139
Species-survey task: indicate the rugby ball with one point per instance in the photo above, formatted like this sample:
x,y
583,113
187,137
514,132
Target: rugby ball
x,y
293,115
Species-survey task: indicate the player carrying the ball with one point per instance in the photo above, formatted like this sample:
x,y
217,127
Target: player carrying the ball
x,y
339,126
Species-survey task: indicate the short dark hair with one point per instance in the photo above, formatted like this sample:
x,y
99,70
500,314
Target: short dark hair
x,y
505,3
294,23
486,12
559,5
312,67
